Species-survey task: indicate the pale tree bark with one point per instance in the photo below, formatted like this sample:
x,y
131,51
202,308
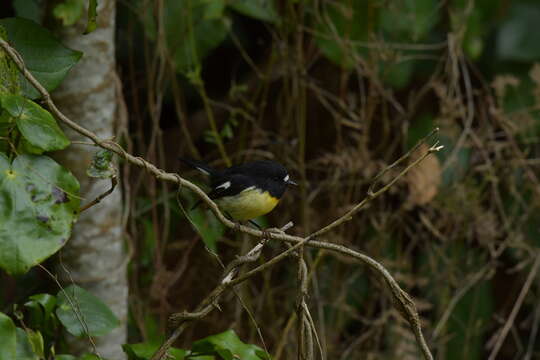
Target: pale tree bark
x,y
95,255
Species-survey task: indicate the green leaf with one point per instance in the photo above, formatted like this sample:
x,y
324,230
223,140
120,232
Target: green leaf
x,y
24,347
46,58
408,20
258,9
9,73
36,341
38,206
40,308
92,17
228,343
191,34
204,222
102,166
342,25
35,123
214,9
518,38
90,357
144,351
47,301
65,357
81,306
8,337
69,11
29,9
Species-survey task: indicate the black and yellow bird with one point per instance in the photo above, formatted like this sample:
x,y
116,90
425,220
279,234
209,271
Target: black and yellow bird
x,y
246,191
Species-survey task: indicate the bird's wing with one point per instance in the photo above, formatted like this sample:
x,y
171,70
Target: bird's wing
x,y
199,165
229,186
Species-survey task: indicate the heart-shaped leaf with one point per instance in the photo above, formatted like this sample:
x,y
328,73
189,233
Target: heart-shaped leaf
x,y
38,205
227,345
44,56
35,123
83,313
8,338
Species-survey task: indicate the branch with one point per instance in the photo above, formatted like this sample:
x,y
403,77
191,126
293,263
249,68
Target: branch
x,y
97,200
405,302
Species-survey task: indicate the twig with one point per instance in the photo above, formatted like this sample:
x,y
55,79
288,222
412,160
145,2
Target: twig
x,y
406,304
515,309
97,200
76,310
371,194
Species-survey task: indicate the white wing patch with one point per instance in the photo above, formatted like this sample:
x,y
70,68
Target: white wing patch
x,y
224,186
203,171
286,178
249,188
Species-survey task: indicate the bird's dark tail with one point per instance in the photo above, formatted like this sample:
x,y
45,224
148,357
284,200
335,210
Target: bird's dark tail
x,y
199,165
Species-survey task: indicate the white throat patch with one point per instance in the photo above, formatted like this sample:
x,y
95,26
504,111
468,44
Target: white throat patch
x,y
286,178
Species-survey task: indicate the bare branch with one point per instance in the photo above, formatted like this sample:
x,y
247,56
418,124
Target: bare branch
x,y
406,305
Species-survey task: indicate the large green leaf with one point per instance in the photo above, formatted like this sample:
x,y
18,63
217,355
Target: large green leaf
x,y
35,123
191,33
38,205
46,58
264,10
24,347
228,346
9,73
340,29
36,342
83,313
144,351
8,338
29,9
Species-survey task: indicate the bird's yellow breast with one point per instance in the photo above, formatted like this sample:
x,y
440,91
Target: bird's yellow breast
x,y
248,204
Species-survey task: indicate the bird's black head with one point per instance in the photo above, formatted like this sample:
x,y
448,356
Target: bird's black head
x,y
269,176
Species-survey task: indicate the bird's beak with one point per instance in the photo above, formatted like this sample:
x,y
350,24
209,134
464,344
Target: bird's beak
x,y
290,182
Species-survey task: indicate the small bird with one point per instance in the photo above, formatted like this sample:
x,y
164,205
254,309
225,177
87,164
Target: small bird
x,y
246,191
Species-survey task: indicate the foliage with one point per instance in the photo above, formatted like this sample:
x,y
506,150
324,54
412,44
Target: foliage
x,y
82,313
336,90
225,346
42,318
101,166
47,59
38,208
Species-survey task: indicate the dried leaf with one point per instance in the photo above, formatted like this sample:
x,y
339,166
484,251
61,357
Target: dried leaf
x,y
423,179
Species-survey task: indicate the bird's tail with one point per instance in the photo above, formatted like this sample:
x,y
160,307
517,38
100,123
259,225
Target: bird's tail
x,y
199,165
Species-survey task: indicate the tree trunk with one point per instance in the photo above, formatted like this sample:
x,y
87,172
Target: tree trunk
x,y
95,255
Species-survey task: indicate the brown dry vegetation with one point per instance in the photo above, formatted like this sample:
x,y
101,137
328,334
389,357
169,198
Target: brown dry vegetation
x,y
459,232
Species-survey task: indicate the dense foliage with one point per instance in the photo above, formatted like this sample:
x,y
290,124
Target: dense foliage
x,y
334,89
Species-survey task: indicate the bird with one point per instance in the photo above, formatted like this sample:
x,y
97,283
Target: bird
x,y
245,191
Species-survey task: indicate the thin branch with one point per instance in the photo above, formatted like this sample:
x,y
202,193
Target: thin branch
x,y
515,309
406,305
114,182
